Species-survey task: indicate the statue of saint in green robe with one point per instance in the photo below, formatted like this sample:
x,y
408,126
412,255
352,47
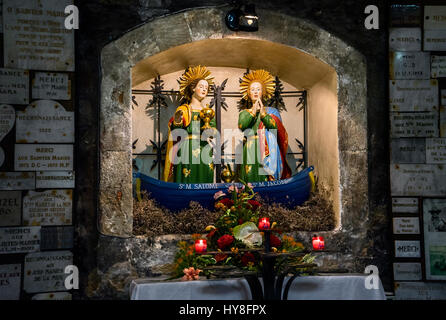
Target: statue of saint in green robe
x,y
256,148
190,159
265,148
190,167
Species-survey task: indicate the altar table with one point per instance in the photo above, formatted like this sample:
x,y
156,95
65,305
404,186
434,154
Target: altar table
x,y
321,287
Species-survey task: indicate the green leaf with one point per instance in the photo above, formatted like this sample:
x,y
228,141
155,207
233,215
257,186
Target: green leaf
x,y
308,258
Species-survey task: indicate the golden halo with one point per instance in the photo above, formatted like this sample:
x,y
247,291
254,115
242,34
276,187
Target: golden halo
x,y
265,79
192,74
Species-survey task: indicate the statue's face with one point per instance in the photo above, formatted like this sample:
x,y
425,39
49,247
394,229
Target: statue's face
x,y
255,91
201,89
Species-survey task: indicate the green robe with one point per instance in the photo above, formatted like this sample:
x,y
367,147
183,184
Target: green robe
x,y
190,171
249,171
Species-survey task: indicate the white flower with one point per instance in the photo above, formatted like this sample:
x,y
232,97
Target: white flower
x,y
219,194
248,233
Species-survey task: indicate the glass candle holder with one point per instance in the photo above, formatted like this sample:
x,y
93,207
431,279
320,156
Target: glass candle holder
x,y
200,246
264,224
318,243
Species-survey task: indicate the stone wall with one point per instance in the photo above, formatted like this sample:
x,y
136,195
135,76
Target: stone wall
x,y
417,45
37,143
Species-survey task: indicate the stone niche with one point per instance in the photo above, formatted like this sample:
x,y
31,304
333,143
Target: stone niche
x,y
302,55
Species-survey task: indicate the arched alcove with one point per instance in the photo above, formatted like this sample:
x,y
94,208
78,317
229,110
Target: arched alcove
x,y
300,53
296,67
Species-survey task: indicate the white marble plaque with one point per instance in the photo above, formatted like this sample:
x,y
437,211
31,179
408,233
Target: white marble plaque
x,y
52,296
420,291
48,208
2,156
35,36
405,15
10,208
45,271
413,95
434,217
43,157
408,150
7,120
434,211
438,67
55,179
414,125
443,97
409,65
405,205
19,239
435,40
407,271
407,249
406,225
434,17
10,281
17,180
45,121
417,180
55,86
14,86
436,150
405,39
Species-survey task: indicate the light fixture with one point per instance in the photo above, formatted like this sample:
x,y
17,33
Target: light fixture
x,y
243,20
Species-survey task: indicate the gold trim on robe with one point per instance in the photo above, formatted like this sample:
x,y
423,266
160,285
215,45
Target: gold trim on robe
x,y
185,121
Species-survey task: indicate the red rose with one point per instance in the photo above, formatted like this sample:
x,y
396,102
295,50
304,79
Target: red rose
x,y
225,241
247,258
220,257
240,221
227,202
254,204
275,241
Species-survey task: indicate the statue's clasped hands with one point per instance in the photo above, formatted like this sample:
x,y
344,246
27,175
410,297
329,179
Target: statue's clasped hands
x,y
258,106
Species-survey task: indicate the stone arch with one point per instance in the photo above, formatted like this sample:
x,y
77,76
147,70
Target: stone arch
x,y
183,29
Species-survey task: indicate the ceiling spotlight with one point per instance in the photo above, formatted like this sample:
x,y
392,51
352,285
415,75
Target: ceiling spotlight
x,y
243,20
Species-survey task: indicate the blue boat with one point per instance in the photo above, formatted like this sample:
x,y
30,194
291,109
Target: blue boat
x,y
289,192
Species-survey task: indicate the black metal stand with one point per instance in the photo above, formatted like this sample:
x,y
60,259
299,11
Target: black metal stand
x,y
273,279
272,282
268,273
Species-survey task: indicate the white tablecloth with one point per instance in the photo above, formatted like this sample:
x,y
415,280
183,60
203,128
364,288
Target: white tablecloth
x,y
333,287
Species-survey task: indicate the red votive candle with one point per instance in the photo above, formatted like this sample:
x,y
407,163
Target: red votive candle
x,y
264,224
318,243
200,245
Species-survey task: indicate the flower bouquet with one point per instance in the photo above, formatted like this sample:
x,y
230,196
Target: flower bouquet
x,y
234,241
